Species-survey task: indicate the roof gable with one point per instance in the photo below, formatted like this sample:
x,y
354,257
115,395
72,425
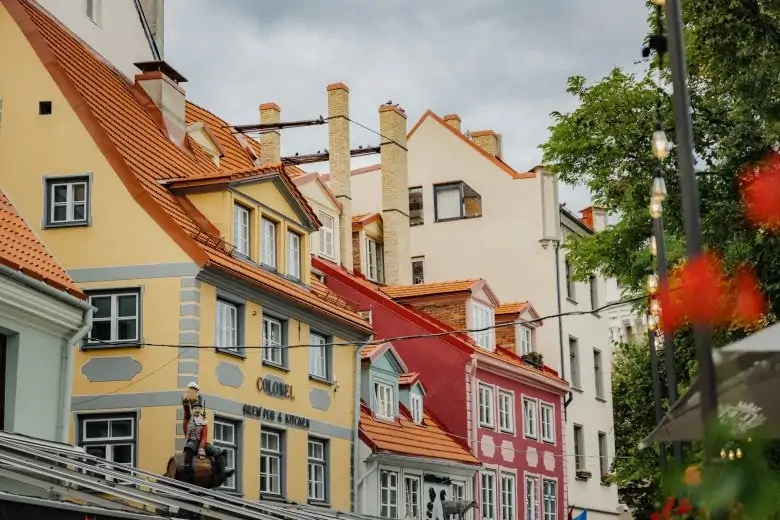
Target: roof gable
x,y
386,357
312,185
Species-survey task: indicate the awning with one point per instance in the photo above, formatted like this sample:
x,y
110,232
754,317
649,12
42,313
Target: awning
x,y
748,374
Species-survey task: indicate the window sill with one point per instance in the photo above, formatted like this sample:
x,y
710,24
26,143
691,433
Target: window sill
x,y
276,366
530,438
232,492
55,225
571,300
232,353
272,497
582,475
112,345
601,399
453,219
321,380
506,432
549,442
415,224
487,426
319,503
577,389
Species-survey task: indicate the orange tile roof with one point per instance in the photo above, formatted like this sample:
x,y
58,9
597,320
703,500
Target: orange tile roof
x,y
365,352
405,437
428,289
21,250
408,379
360,221
511,308
115,114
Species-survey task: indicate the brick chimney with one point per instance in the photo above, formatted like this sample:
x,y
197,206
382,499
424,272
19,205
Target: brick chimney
x,y
595,217
587,215
271,141
395,195
453,120
489,141
340,164
163,86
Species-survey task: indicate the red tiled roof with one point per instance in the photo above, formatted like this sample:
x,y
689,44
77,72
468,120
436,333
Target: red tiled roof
x,y
21,250
428,289
511,308
408,379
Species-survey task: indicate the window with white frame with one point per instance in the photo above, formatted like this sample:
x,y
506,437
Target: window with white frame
x,y
226,438
458,491
482,321
508,499
412,488
271,456
241,229
598,373
293,255
318,470
418,269
529,418
485,405
116,318
388,494
531,498
548,422
526,340
227,326
383,396
110,437
273,342
416,402
326,235
68,201
375,261
506,412
268,251
550,499
488,488
319,357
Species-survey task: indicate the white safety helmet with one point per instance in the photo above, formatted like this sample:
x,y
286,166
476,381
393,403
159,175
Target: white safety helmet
x,y
194,386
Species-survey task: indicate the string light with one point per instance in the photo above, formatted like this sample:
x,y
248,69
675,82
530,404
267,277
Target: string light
x,y
656,208
653,246
660,143
658,189
655,307
652,284
652,322
660,3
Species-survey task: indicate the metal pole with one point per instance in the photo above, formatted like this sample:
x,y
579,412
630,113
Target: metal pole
x,y
690,197
669,356
656,394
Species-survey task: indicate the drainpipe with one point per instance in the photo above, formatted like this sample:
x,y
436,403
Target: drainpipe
x,y
356,425
569,396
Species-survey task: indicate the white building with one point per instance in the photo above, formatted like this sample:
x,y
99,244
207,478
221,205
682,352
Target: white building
x,y
122,31
473,216
625,323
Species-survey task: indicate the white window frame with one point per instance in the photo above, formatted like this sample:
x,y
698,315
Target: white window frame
x,y
388,509
375,261
273,350
486,405
508,496
531,492
483,317
549,499
319,362
598,373
548,425
458,490
526,335
530,418
114,318
69,203
227,326
294,255
418,260
506,411
269,246
269,456
416,408
222,426
327,235
111,441
317,488
385,405
241,227
487,489
413,497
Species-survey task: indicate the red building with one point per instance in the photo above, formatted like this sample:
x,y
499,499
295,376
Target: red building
x,y
509,411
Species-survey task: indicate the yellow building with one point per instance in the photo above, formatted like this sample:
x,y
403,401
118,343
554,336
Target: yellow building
x,y
193,255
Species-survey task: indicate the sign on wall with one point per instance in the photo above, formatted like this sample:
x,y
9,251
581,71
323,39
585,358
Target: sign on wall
x,y
274,388
282,418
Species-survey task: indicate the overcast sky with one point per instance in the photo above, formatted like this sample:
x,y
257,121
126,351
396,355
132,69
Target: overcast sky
x,y
500,64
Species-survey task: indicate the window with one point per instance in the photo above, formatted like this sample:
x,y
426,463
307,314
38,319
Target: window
x,y
569,280
226,438
319,357
293,255
594,292
318,470
458,491
241,229
366,315
486,406
109,437
417,408
92,10
506,412
456,200
526,340
227,326
529,418
67,201
598,373
271,470
326,235
507,496
416,206
483,319
550,499
273,342
412,497
268,253
418,270
574,362
488,481
383,394
579,448
375,261
548,423
388,494
531,498
603,454
117,317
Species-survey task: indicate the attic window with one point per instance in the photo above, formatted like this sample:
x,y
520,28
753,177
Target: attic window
x,y
383,401
366,315
456,200
416,408
44,108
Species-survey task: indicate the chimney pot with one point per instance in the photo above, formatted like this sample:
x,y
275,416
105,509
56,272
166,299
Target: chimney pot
x,y
454,121
340,165
587,216
488,141
270,141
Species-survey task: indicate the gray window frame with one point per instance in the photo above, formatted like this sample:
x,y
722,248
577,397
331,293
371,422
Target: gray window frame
x,y
579,448
48,182
282,462
238,437
603,454
285,330
328,378
82,418
598,373
326,468
574,363
87,344
240,306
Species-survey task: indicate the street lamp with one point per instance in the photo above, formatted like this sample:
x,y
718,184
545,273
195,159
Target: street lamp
x,y
652,327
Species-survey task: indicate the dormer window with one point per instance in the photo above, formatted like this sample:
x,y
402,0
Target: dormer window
x,y
241,229
383,396
375,261
482,321
416,403
268,254
526,339
327,234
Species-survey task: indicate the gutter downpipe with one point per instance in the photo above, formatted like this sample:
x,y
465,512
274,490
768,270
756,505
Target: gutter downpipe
x,y
356,483
569,396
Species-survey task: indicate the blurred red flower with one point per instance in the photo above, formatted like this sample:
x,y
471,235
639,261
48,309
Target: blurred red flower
x,y
761,193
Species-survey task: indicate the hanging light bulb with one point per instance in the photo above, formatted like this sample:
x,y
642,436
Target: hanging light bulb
x,y
652,284
739,453
652,322
658,189
731,455
722,454
653,246
660,3
660,143
655,307
656,207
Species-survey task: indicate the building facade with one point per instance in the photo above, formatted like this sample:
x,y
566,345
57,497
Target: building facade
x,y
196,260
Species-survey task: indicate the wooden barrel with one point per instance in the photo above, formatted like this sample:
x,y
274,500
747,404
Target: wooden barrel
x,y
202,469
